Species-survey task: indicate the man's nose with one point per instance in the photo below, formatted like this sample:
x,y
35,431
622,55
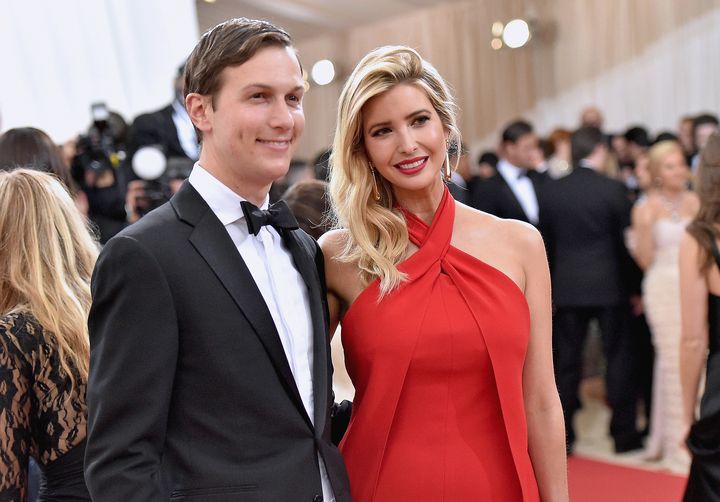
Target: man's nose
x,y
281,116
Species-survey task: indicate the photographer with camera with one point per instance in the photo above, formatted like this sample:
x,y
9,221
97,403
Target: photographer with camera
x,y
99,155
170,132
159,178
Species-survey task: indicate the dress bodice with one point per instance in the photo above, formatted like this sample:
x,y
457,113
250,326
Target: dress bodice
x,y
437,367
667,234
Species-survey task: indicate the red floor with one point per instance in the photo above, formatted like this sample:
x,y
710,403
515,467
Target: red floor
x,y
593,481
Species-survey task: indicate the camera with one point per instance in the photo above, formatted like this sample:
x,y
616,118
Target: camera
x,y
161,176
98,151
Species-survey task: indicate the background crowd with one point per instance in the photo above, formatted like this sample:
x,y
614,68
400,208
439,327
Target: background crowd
x,y
612,208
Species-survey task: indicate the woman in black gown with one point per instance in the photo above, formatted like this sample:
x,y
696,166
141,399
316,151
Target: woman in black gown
x,y
700,342
46,260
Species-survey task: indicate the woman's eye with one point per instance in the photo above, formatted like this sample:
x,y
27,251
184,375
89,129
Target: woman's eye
x,y
380,132
421,120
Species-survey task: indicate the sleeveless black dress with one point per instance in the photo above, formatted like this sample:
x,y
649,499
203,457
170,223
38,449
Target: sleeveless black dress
x,y
704,438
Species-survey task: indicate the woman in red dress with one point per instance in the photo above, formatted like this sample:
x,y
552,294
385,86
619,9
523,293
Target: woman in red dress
x,y
445,310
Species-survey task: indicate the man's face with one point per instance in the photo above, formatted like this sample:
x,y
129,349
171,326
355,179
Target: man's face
x,y
522,153
602,154
685,131
703,133
255,123
591,116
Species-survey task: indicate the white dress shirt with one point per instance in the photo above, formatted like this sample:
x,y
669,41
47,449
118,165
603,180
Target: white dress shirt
x,y
281,285
522,187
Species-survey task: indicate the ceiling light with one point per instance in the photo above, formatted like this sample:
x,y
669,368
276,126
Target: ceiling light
x,y
497,29
323,72
516,33
496,44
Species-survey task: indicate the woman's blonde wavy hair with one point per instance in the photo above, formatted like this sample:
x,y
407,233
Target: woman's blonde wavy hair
x,y
47,255
378,233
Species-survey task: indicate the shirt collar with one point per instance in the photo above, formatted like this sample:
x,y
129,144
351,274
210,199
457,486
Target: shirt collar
x,y
224,202
180,111
587,165
507,170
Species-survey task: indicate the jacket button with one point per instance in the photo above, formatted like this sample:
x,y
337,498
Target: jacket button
x,y
318,498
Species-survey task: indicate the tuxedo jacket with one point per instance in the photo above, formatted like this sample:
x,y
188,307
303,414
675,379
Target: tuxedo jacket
x,y
190,395
493,195
584,218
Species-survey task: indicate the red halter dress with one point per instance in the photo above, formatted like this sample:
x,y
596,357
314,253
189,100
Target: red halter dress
x,y
437,367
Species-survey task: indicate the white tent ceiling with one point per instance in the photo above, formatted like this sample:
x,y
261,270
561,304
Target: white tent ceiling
x,y
305,19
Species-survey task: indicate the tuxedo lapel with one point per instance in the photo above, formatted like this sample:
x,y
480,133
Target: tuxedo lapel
x,y
212,241
305,264
514,209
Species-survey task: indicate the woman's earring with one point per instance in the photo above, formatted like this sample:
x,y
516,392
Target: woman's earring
x,y
376,192
448,171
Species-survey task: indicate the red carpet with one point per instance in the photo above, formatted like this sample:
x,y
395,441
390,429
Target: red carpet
x,y
593,481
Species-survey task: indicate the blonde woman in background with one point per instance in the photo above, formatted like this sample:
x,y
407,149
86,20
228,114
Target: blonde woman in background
x,y
658,224
445,310
700,341
46,259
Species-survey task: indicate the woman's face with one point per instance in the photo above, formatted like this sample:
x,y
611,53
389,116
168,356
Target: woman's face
x,y
674,173
404,138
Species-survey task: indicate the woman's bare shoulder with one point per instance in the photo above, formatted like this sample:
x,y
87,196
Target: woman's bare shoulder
x,y
478,225
333,242
645,210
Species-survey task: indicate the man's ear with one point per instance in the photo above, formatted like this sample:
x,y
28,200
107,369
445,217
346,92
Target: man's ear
x,y
200,110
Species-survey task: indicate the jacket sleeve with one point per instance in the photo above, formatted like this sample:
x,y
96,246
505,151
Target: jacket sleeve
x,y
134,346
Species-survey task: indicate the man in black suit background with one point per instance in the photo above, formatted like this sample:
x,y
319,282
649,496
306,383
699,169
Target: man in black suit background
x,y
169,128
584,218
513,191
210,374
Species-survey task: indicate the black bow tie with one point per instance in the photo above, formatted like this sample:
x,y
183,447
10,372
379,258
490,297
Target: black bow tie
x,y
529,173
278,215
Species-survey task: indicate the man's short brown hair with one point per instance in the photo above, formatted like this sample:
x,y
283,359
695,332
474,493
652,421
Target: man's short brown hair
x,y
230,43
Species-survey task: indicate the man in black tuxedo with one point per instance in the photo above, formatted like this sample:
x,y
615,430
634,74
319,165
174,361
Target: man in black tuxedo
x,y
210,373
584,217
513,191
169,128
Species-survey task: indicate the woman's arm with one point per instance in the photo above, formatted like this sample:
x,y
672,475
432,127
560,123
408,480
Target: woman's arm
x,y
332,245
694,335
643,249
546,430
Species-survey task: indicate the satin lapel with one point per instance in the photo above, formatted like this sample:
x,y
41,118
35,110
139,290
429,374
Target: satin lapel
x,y
513,200
305,264
212,241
